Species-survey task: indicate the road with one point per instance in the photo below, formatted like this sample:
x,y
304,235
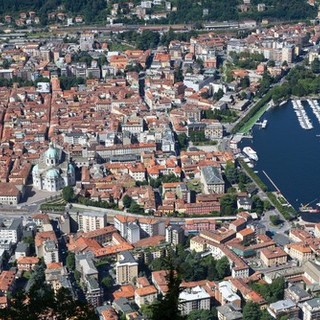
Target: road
x,y
290,264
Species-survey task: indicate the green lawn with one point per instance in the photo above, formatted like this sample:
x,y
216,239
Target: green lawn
x,y
115,46
250,123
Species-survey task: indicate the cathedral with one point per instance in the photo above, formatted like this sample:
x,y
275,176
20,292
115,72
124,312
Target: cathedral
x,y
54,171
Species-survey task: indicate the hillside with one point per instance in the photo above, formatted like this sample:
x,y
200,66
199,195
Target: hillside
x,y
186,10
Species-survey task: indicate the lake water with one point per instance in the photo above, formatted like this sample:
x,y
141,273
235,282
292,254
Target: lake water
x,y
290,155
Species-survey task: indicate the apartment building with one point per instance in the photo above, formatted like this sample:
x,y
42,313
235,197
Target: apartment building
x,y
195,298
273,256
126,268
90,221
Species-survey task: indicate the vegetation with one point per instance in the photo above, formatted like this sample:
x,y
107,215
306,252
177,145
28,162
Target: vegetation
x,y
67,82
92,10
275,220
193,267
107,281
252,311
287,212
226,115
239,127
247,60
236,176
70,261
54,205
253,176
182,139
188,11
68,194
257,205
203,315
270,292
40,301
156,183
99,204
228,205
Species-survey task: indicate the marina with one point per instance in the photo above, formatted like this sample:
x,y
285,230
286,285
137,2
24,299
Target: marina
x,y
315,108
301,114
284,154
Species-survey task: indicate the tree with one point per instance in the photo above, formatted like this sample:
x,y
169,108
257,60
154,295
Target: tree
x,y
218,95
257,204
275,220
271,63
68,194
228,204
168,307
6,64
251,311
127,200
135,208
107,281
70,261
265,315
182,141
245,82
147,40
178,75
201,315
315,65
223,267
231,172
271,292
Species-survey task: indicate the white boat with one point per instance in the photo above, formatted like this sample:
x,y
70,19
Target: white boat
x,y
250,153
283,102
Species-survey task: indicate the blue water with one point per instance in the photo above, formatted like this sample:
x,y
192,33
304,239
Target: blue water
x,y
289,155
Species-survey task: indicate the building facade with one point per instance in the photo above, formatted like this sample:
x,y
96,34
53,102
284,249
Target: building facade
x,y
54,171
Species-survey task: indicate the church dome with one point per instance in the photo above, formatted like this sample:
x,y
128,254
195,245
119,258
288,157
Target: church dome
x,y
52,152
52,174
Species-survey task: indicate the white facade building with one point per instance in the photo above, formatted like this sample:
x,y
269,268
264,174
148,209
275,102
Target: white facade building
x,y
53,172
194,299
90,221
50,252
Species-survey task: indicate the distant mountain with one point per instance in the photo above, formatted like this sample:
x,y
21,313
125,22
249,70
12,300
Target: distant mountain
x,y
92,10
186,10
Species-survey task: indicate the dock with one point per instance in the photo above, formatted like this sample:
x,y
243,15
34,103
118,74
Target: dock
x,y
302,116
277,189
315,108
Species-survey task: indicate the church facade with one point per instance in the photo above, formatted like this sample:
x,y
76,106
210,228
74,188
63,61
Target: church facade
x,y
54,171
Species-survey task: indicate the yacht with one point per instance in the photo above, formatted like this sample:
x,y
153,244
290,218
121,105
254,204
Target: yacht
x,y
250,153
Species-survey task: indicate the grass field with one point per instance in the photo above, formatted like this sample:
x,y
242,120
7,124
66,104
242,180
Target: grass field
x,y
250,123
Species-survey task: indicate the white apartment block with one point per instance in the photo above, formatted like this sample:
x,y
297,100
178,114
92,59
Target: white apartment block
x,y
194,299
50,252
90,221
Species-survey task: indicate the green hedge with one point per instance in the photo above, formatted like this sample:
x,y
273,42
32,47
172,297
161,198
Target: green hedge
x,y
288,212
54,207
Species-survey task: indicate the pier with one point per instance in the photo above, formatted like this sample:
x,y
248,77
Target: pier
x,y
303,119
263,124
277,189
315,108
271,181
